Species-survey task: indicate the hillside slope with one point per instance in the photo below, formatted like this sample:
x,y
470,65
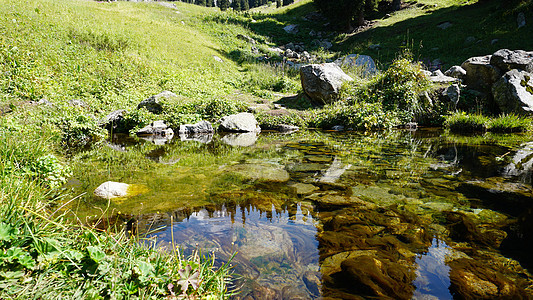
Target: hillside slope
x,y
108,54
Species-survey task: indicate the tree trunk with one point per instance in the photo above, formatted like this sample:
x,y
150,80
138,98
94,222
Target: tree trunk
x,y
396,5
360,18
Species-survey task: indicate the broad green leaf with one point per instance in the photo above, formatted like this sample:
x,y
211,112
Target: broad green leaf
x,y
11,275
74,255
27,261
104,268
5,232
95,253
145,268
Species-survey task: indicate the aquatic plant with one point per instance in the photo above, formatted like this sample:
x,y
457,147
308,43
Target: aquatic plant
x,y
509,123
462,122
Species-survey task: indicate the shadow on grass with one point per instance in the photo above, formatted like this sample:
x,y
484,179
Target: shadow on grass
x,y
477,29
298,102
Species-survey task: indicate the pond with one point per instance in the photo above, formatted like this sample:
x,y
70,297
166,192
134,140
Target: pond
x,y
397,214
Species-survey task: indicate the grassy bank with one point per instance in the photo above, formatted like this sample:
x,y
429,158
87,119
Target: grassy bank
x,y
43,256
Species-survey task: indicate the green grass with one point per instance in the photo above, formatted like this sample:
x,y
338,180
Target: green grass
x,y
463,122
140,50
509,123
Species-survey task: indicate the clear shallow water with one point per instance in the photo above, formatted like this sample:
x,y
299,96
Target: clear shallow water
x,y
395,214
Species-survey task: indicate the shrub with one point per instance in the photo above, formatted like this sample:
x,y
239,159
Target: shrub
x,y
78,129
137,119
397,90
462,122
215,108
357,116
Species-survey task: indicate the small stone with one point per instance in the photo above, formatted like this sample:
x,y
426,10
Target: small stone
x,y
292,29
470,40
521,20
218,59
78,102
445,25
374,47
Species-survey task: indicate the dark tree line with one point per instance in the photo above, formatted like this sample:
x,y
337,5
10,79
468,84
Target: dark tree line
x,y
346,13
238,5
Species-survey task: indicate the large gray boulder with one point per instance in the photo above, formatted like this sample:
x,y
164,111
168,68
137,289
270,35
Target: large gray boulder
x,y
364,62
480,74
507,60
200,127
322,82
154,103
242,122
514,92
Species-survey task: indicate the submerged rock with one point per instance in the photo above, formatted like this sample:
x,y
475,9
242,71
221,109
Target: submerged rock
x,y
304,188
312,282
378,277
261,172
335,171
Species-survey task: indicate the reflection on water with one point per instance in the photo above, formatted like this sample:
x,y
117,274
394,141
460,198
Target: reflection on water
x,y
398,214
274,249
432,273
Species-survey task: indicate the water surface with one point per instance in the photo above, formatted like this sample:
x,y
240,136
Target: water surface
x,y
401,214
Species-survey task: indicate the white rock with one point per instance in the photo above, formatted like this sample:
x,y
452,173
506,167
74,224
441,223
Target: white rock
x,y
111,189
